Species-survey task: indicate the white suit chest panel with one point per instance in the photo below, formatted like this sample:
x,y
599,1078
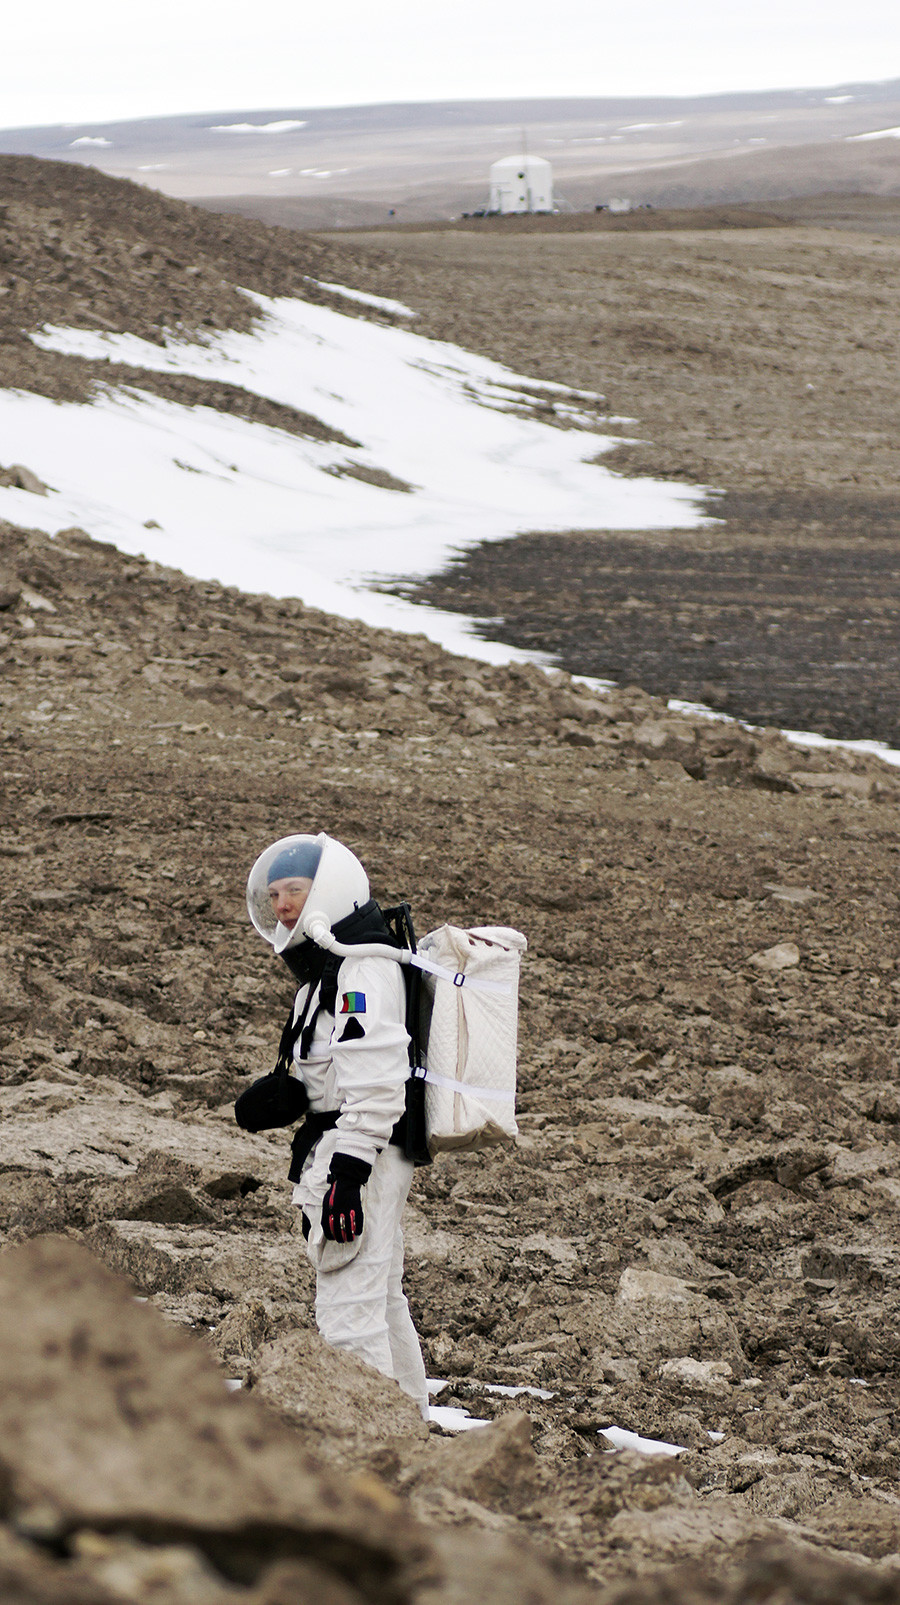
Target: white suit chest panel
x,y
371,992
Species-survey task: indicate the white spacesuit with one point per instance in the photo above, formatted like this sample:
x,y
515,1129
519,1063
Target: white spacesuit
x,y
347,1047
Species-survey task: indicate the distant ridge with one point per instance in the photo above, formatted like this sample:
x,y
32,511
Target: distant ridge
x,y
359,165
437,113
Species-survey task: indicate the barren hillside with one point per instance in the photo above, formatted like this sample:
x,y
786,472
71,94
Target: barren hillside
x,y
695,1237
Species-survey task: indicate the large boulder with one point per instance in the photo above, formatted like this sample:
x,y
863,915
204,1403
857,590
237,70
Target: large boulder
x,y
493,1466
657,1317
113,1422
129,1471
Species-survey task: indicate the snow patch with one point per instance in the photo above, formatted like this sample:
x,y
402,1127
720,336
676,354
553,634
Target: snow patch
x,y
874,749
380,301
508,1392
879,133
89,139
254,507
621,1438
453,1418
284,127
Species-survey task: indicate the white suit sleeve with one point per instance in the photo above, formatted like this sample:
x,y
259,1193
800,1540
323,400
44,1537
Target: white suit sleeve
x,y
369,1054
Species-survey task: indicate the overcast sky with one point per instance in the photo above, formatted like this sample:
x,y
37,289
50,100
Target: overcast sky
x,y
65,61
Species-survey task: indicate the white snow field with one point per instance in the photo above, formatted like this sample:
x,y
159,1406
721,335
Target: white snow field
x,y
259,508
262,509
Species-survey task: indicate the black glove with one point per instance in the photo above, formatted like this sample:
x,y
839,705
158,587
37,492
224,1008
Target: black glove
x,y
342,1211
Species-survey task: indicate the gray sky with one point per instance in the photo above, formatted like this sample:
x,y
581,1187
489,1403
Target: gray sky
x,y
65,61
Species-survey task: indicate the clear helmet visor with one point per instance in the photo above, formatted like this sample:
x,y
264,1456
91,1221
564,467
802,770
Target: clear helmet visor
x,y
301,883
279,885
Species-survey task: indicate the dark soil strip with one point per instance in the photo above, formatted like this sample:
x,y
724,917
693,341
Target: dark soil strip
x,y
788,616
189,391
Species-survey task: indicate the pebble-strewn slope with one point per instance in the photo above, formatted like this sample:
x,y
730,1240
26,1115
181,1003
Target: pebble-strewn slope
x,y
697,1232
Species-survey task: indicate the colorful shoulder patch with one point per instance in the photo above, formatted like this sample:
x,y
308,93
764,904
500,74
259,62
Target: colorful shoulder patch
x,y
353,1003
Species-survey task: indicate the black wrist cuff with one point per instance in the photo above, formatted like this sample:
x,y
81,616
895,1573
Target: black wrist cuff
x,y
348,1166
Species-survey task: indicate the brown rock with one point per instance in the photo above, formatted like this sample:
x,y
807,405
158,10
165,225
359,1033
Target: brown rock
x,y
665,738
28,1577
795,895
49,646
869,1527
167,1258
112,1420
107,1137
783,956
771,776
691,1201
303,1582
660,1317
724,771
21,478
735,1096
243,1331
698,1376
344,1408
478,719
497,1568
618,1370
835,784
772,1568
494,1465
576,735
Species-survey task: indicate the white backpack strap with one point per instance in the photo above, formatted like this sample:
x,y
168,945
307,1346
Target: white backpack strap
x,y
491,1094
458,977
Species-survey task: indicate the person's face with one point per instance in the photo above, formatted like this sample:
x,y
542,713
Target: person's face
x,y
288,897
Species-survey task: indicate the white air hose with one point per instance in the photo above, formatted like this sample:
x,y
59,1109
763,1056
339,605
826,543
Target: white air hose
x,y
320,932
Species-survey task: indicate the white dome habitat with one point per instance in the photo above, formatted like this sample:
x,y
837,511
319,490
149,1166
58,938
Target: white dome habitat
x,y
521,184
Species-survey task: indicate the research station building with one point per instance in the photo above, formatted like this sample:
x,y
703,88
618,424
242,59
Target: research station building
x,y
521,184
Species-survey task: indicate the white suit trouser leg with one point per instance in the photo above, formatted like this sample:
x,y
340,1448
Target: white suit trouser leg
x,y
360,1305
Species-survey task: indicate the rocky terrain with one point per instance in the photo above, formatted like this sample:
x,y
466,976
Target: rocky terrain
x,y
694,1238
696,1232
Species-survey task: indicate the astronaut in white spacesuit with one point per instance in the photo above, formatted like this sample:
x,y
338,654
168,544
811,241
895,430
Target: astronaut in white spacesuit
x,y
344,1065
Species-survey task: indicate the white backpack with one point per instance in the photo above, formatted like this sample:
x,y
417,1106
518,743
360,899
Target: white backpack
x,y
468,1036
462,1031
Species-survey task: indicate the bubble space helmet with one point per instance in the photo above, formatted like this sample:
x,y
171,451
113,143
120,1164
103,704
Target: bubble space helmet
x,y
339,885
